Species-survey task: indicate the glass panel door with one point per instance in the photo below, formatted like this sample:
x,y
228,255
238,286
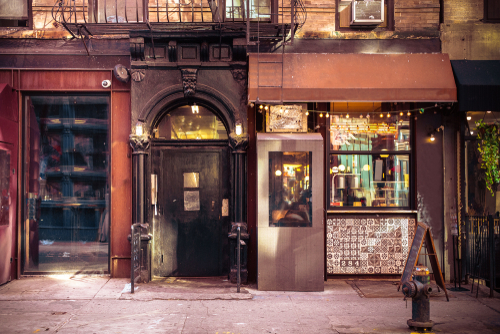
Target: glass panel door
x,y
67,183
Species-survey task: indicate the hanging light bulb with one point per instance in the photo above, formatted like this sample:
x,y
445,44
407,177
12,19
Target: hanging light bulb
x,y
381,115
347,116
401,113
432,137
408,113
368,116
307,113
261,107
388,115
360,115
327,115
469,118
266,107
321,115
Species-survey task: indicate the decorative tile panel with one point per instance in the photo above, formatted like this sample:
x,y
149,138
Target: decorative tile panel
x,y
368,245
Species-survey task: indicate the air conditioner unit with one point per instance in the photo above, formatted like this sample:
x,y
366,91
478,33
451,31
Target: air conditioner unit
x,y
367,12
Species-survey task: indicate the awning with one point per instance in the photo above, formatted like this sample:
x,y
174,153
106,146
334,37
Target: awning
x,y
478,84
351,77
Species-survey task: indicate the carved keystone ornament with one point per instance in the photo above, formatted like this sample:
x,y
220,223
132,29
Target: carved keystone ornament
x,y
189,76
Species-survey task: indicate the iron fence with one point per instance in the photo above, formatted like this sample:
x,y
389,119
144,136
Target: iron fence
x,y
482,248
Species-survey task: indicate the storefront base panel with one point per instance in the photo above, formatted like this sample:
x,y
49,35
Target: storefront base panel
x,y
120,268
368,244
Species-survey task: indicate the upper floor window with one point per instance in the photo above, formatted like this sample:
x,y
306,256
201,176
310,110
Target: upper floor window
x,y
15,13
259,9
491,11
133,11
364,14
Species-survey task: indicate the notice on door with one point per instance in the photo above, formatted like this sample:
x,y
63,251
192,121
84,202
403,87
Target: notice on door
x,y
191,200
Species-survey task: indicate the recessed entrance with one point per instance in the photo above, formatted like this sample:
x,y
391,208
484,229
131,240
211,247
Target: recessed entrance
x,y
190,162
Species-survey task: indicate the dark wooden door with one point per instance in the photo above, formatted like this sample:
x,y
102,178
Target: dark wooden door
x,y
191,232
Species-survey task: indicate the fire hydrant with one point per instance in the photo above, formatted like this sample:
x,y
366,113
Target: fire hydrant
x,y
419,290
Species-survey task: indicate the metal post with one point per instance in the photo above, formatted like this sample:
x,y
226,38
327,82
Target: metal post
x,y
491,241
238,247
132,269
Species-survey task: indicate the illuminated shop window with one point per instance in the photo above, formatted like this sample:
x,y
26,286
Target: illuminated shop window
x,y
290,189
370,155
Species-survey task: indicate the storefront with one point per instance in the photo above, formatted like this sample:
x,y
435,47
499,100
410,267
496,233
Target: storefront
x,y
478,86
379,116
74,168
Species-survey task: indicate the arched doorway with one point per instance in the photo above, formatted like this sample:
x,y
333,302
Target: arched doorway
x,y
190,167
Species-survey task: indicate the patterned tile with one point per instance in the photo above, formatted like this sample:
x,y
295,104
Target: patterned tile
x,y
368,245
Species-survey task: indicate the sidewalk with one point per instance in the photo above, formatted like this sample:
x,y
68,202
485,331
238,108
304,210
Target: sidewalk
x,y
91,304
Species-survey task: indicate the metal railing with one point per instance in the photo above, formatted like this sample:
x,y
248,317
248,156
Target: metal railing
x,y
482,248
175,11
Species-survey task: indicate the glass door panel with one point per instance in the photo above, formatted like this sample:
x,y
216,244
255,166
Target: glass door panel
x,y
67,184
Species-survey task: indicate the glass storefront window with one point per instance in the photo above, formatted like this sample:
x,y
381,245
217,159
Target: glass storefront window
x,y
369,180
369,155
374,133
67,155
190,123
290,189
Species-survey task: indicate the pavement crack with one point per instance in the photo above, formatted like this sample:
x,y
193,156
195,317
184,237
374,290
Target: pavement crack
x,y
497,311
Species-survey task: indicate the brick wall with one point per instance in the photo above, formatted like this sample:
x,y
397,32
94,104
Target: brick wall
x,y
412,16
463,11
416,15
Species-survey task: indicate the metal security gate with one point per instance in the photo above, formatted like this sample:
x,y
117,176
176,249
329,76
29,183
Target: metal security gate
x,y
482,244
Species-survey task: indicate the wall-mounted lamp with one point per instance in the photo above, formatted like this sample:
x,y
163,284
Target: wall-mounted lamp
x,y
195,109
139,129
432,136
239,129
278,172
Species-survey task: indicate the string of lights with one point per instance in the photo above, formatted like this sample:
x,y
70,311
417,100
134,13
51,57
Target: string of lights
x,y
386,114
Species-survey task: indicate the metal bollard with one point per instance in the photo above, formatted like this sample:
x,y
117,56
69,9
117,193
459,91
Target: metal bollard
x,y
238,242
419,290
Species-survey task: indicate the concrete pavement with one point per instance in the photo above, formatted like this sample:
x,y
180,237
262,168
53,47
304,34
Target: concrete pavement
x,y
92,304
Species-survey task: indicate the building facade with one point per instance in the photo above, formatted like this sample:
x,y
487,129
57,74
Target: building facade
x,y
179,116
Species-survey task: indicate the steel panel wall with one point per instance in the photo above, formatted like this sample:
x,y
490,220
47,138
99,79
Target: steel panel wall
x,y
290,258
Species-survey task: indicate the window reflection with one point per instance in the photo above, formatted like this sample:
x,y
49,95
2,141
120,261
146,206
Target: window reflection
x,y
359,133
68,190
4,186
369,180
190,123
259,9
290,189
